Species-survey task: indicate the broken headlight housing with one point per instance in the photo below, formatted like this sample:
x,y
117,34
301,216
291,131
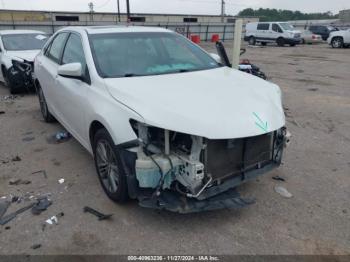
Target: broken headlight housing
x,y
169,160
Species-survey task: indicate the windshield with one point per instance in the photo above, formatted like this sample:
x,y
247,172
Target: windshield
x,y
141,54
17,42
287,26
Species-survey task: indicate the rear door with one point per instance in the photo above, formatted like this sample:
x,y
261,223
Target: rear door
x,y
263,32
46,72
71,93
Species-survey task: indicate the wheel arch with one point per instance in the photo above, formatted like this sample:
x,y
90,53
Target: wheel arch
x,y
94,127
337,36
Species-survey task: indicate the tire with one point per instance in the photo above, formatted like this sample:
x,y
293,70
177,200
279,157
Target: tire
x,y
48,117
291,44
263,43
337,42
8,82
280,41
109,167
252,40
303,41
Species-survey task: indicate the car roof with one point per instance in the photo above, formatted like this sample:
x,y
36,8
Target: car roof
x,y
115,29
14,32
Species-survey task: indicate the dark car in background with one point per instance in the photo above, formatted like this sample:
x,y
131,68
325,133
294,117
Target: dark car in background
x,y
323,30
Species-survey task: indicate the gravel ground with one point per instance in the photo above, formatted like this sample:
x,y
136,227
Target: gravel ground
x,y
315,83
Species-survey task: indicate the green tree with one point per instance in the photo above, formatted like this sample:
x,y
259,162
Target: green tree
x,y
267,14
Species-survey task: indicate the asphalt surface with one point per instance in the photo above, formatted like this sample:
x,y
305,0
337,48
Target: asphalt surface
x,y
316,93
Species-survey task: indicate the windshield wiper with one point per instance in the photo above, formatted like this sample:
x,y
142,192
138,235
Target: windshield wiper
x,y
183,70
130,75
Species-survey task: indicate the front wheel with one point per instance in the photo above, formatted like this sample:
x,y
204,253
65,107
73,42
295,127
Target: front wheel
x,y
252,40
48,117
8,82
109,167
280,42
337,42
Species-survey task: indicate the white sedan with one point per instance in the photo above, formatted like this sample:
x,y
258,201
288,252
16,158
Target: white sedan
x,y
307,37
18,49
167,124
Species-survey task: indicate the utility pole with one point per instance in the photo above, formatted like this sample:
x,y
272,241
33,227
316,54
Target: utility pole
x,y
118,10
128,10
222,11
91,8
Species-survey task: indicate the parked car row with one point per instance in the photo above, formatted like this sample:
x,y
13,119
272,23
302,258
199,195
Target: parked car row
x,y
283,33
166,122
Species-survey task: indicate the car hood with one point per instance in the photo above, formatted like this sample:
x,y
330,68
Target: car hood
x,y
219,103
27,55
293,31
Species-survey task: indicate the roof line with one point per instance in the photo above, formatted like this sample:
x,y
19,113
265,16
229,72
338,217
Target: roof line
x,y
109,13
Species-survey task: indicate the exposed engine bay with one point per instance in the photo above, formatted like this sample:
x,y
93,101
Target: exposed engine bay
x,y
199,169
21,75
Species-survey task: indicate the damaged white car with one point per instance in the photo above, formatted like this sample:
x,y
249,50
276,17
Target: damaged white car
x,y
18,49
166,123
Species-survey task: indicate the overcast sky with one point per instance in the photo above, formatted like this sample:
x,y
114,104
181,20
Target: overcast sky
x,y
178,6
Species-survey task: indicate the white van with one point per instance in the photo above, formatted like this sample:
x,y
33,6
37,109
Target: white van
x,y
272,32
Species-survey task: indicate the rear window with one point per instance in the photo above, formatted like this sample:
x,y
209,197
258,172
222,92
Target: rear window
x,y
263,26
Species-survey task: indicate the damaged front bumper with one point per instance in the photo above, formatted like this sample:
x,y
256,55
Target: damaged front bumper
x,y
174,202
227,164
20,75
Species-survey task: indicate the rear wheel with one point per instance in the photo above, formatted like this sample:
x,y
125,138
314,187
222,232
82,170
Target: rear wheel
x,y
252,40
280,41
109,167
303,41
43,107
337,42
263,43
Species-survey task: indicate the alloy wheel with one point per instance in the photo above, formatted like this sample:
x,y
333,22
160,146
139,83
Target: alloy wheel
x,y
107,166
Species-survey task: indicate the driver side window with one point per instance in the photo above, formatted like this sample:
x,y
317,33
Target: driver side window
x,y
73,52
276,28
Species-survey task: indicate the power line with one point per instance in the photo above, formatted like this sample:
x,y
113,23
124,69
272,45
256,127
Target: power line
x,y
104,4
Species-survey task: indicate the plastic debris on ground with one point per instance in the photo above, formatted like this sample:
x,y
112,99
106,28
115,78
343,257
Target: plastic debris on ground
x,y
278,178
61,181
35,246
62,137
59,137
7,218
40,172
283,192
96,213
54,219
8,97
18,181
16,159
41,205
27,139
4,204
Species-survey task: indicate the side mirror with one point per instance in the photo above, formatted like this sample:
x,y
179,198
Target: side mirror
x,y
216,57
72,70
